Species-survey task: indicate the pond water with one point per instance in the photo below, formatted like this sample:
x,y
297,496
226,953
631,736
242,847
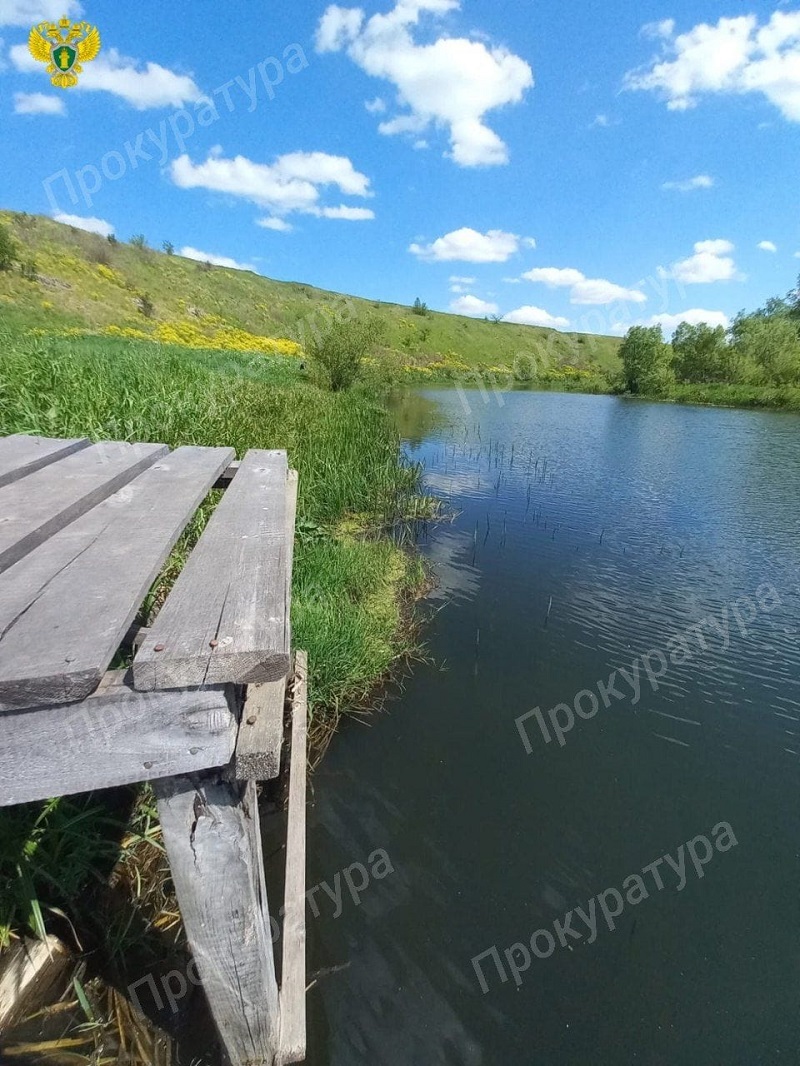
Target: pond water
x,y
590,531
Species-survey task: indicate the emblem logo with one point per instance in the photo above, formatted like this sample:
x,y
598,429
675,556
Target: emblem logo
x,y
64,47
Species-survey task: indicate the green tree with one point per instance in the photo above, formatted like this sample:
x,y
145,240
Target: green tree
x,y
8,249
646,360
419,307
339,347
768,347
701,353
168,247
139,241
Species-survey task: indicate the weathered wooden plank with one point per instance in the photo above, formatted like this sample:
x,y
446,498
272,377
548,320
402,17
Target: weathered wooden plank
x,y
114,738
66,607
21,455
226,618
211,832
38,506
293,972
258,747
27,970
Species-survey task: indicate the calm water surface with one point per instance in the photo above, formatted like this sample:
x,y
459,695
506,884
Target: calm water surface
x,y
590,530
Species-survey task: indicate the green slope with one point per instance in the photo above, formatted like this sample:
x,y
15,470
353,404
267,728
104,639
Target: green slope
x,y
78,279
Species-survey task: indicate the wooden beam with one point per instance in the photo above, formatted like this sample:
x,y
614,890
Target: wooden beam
x,y
66,607
258,747
27,970
293,974
116,737
226,619
21,455
39,505
212,836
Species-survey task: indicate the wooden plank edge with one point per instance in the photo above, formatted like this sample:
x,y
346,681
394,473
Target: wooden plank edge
x,y
19,472
258,745
118,737
227,475
292,1033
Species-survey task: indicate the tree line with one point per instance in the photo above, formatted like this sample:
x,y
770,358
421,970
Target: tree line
x,y
761,348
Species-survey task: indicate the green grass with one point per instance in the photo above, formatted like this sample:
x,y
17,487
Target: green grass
x,y
350,579
77,293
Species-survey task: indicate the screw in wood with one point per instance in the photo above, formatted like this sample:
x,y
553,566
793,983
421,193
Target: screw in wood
x,y
158,647
213,643
251,720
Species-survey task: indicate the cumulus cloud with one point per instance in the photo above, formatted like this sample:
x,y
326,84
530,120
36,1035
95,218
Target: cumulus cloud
x,y
701,181
31,12
350,214
142,85
90,224
376,106
469,246
737,56
471,305
535,316
38,104
459,279
292,183
451,82
280,225
768,246
217,260
583,290
712,261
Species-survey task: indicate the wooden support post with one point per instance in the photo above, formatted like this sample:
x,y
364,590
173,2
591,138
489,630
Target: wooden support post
x,y
293,974
211,832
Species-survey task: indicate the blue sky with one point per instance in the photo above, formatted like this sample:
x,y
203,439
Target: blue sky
x,y
579,165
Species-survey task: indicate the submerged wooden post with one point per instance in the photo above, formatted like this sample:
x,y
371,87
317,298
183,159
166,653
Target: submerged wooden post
x,y
212,837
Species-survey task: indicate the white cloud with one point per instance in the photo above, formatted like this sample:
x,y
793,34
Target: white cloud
x,y
91,224
350,214
469,246
38,104
583,290
216,260
292,183
554,277
452,81
512,281
376,106
142,85
665,28
701,181
31,12
712,261
536,316
737,56
459,279
277,224
768,246
471,305
796,255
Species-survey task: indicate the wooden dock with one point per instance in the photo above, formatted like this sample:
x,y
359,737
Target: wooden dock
x,y
85,529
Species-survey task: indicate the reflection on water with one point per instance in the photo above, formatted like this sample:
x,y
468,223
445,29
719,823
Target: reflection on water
x,y
589,532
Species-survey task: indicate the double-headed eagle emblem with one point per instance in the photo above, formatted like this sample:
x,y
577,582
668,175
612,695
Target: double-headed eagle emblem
x,y
64,47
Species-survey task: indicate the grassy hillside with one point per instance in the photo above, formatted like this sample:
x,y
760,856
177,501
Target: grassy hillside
x,y
79,280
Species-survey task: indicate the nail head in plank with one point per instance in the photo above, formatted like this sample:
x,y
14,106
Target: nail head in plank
x,y
38,506
116,738
211,833
225,620
66,607
21,454
293,972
